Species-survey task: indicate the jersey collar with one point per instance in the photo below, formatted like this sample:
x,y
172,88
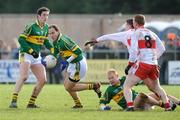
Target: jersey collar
x,y
59,37
37,22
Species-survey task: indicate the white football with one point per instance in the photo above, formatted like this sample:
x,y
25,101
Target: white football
x,y
50,61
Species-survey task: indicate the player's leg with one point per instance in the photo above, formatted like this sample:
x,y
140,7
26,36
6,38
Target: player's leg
x,y
157,89
93,86
154,85
24,69
77,72
141,102
68,85
145,102
76,99
83,86
72,89
130,81
174,99
40,73
155,96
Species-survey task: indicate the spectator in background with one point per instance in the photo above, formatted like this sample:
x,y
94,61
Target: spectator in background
x,y
15,49
170,40
101,46
173,41
1,47
5,50
178,42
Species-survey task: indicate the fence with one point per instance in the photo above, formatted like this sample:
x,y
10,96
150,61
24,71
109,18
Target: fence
x,y
99,61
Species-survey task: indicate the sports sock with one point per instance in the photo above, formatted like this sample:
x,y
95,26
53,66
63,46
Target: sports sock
x,y
130,104
161,104
90,86
32,100
14,97
167,105
77,102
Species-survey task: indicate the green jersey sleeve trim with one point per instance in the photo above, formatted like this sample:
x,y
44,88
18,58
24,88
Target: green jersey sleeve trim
x,y
24,45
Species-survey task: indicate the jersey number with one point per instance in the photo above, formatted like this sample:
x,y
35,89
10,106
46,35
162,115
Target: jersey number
x,y
148,42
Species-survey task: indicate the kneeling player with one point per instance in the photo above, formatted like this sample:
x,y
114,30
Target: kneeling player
x,y
142,101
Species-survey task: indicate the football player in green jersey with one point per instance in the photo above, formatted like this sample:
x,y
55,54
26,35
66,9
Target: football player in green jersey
x,y
31,40
73,57
142,101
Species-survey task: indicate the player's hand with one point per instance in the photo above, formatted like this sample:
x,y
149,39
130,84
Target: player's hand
x,y
60,66
127,69
35,54
64,64
91,43
106,108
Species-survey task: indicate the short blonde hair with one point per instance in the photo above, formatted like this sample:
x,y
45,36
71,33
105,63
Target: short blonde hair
x,y
112,71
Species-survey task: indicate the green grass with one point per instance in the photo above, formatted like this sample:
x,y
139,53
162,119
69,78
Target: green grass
x,y
56,105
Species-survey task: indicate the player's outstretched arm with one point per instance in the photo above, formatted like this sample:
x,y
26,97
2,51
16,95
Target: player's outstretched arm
x,y
91,42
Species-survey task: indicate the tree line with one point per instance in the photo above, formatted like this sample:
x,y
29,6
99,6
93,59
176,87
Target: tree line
x,y
93,6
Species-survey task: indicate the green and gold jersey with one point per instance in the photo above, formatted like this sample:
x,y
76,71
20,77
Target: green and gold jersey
x,y
65,47
34,37
116,93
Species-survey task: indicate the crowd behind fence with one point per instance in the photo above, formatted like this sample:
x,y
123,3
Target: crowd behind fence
x,y
108,55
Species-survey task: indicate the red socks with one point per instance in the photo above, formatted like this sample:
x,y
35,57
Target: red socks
x,y
130,104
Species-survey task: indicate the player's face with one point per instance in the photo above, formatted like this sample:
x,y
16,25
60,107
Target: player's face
x,y
127,27
113,78
135,24
53,34
43,17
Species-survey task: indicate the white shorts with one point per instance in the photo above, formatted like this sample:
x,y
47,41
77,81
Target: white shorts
x,y
24,57
77,70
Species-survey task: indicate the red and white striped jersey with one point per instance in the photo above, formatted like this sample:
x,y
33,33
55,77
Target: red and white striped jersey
x,y
147,45
124,37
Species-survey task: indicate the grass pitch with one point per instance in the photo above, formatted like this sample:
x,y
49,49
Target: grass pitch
x,y
56,105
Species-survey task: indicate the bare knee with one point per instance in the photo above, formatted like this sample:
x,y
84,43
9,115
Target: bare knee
x,y
68,85
68,88
24,78
42,82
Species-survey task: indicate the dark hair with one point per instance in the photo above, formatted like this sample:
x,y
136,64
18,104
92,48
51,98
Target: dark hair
x,y
42,9
139,19
130,22
55,27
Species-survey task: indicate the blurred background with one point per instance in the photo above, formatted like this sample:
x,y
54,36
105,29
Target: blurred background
x,y
83,20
